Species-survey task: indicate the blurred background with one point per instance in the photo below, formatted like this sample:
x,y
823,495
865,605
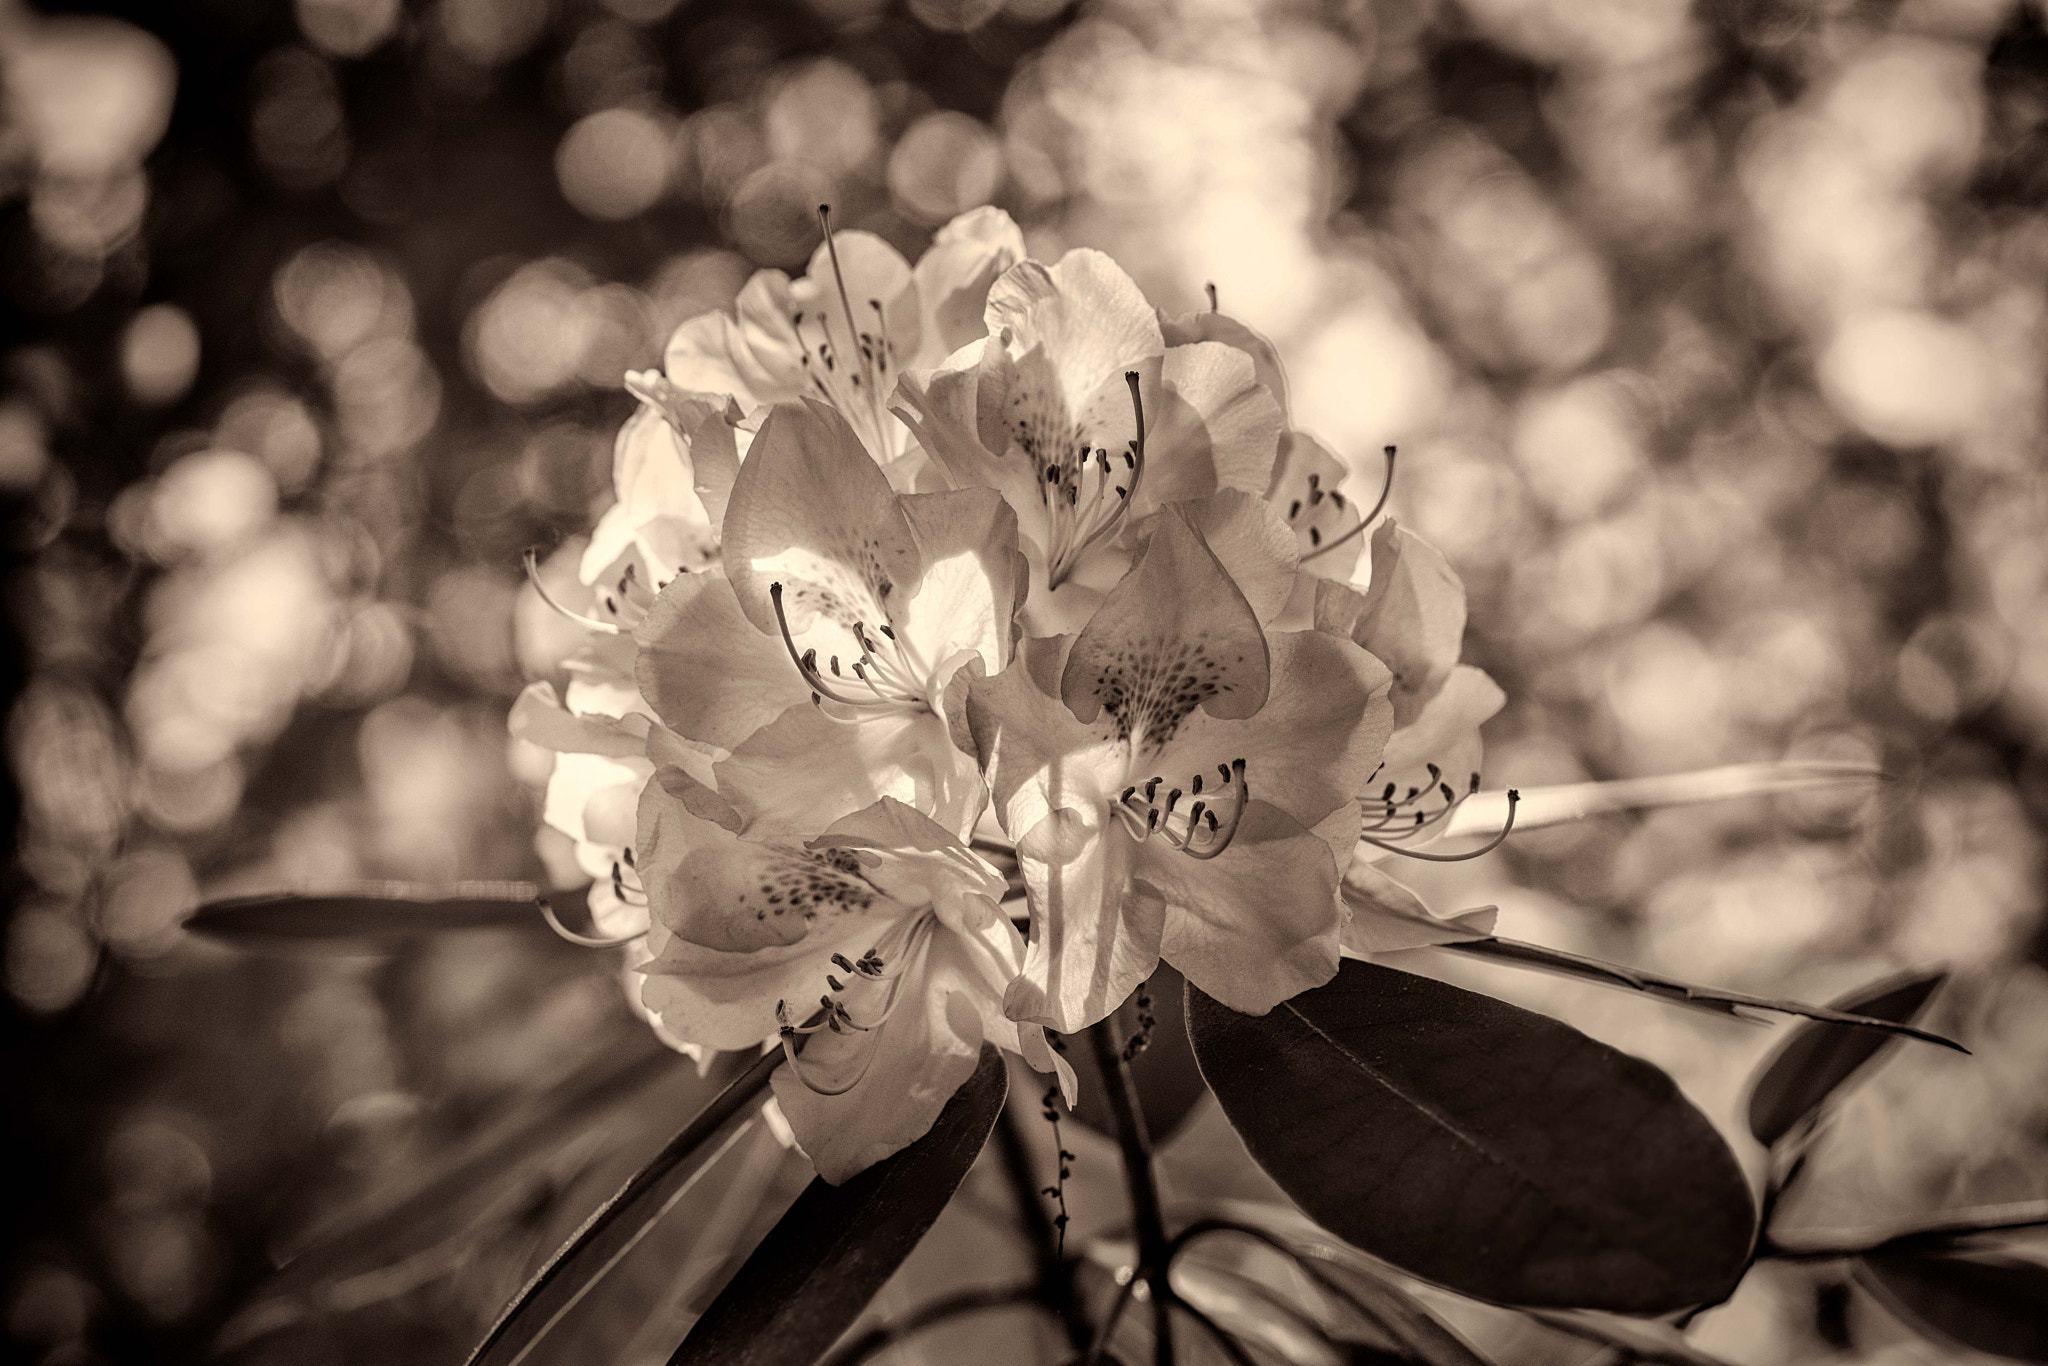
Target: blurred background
x,y
1713,336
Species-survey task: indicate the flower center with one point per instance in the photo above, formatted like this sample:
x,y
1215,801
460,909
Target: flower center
x,y
858,384
886,678
1317,516
862,1002
1088,492
619,606
1196,829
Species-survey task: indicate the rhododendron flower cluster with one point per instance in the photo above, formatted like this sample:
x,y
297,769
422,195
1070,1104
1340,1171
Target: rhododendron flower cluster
x,y
965,640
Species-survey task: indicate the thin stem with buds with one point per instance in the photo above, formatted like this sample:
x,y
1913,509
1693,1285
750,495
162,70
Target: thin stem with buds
x,y
1154,1250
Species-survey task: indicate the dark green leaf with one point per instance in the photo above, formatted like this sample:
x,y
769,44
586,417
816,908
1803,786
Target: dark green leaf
x,y
624,1219
817,1269
1481,1146
377,912
1814,1062
1514,951
1984,1300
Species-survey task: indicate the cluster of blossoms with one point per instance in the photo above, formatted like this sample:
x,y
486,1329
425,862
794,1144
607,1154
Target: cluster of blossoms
x,y
968,638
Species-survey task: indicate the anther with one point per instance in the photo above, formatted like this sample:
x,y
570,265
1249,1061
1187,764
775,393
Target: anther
x,y
1386,491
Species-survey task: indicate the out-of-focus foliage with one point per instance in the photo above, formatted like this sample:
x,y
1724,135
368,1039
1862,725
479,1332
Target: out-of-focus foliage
x,y
1713,336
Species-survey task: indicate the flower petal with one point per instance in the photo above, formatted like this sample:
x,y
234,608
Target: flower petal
x,y
579,782
1446,734
1386,917
1212,326
954,276
942,407
1094,935
810,510
803,771
540,719
1089,316
1307,490
1036,756
710,887
1413,616
727,1000
1258,923
709,354
919,862
1211,426
1176,635
1254,546
973,579
1310,749
707,671
908,1068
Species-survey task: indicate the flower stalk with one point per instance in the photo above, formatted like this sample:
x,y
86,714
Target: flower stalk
x,y
1154,1250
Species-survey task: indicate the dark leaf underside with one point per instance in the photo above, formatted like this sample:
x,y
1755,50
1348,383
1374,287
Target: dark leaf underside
x,y
1487,1148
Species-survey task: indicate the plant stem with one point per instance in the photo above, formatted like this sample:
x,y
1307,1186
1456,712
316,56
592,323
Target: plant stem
x,y
1154,1252
2002,1219
1055,1280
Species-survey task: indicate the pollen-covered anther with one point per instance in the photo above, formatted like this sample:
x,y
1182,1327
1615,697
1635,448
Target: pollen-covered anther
x,y
1197,830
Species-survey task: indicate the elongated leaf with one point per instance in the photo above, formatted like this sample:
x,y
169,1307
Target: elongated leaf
x,y
1492,1150
1519,954
375,912
817,1269
1485,812
1644,1339
613,1231
400,1240
1985,1300
1352,1279
1812,1064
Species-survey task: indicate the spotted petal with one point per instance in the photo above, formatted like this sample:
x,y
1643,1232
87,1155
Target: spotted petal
x,y
713,888
812,512
1174,636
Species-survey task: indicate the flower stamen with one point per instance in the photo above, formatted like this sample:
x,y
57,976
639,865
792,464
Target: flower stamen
x,y
905,943
894,687
1487,848
1109,490
1317,495
1197,831
532,561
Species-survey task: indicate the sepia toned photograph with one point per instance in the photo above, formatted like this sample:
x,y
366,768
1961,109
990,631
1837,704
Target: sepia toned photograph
x,y
1024,682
